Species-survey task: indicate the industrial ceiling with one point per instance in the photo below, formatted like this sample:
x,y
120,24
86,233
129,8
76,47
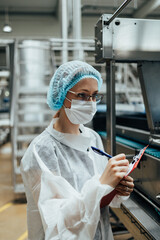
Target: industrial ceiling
x,y
137,8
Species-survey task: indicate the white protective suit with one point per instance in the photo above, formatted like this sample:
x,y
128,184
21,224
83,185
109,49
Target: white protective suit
x,y
61,177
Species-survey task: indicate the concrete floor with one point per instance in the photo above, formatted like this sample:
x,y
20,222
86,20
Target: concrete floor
x,y
13,222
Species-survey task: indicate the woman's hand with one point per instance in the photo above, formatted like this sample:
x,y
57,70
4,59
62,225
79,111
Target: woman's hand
x,y
115,170
125,187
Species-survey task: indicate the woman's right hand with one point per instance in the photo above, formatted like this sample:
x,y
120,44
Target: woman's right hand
x,y
115,170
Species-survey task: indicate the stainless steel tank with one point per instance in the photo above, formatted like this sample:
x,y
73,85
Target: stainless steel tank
x,y
34,63
35,71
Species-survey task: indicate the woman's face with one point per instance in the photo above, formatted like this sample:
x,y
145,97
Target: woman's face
x,y
87,86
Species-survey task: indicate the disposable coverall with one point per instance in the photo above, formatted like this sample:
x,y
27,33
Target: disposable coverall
x,y
61,177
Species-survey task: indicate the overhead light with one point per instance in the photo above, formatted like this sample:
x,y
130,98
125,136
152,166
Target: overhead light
x,y
7,27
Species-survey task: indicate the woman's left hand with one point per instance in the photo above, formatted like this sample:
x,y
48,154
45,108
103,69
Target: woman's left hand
x,y
125,187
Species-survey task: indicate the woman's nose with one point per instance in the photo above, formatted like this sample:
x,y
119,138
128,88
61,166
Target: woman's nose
x,y
90,98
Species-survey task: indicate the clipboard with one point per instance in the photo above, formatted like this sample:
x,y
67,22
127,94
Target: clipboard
x,y
133,165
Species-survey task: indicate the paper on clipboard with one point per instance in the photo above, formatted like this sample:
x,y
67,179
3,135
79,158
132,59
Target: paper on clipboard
x,y
135,161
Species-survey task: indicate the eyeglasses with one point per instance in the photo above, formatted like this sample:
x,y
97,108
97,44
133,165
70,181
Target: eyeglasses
x,y
86,97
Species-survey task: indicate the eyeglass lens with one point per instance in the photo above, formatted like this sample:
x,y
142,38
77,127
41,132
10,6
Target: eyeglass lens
x,y
86,97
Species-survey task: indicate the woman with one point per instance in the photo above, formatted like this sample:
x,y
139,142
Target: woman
x,y
64,179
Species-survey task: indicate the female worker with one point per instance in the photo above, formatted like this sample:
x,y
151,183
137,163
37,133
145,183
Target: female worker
x,y
64,179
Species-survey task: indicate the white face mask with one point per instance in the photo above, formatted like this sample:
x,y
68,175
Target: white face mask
x,y
80,111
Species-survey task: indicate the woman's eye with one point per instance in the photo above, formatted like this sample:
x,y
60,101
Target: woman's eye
x,y
81,95
94,96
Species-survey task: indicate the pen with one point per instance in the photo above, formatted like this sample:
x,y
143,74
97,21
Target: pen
x,y
101,152
135,158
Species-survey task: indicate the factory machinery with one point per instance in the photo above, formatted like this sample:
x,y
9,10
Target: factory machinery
x,y
121,40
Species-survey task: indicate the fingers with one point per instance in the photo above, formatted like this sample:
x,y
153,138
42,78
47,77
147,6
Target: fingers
x,y
119,160
125,187
128,179
122,188
123,191
119,166
128,182
115,170
120,156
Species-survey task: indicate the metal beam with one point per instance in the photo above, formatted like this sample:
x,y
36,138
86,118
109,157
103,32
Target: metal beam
x,y
77,29
110,114
118,11
64,30
147,8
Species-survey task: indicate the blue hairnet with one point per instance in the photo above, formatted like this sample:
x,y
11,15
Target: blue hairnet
x,y
65,77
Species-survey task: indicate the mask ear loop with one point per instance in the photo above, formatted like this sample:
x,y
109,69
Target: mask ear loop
x,y
68,100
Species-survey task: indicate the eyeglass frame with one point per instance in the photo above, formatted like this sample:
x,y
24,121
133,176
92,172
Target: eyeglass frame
x,y
88,96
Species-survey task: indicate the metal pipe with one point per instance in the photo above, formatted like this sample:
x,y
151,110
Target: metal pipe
x,y
147,199
72,40
64,31
77,29
14,88
56,40
118,11
110,84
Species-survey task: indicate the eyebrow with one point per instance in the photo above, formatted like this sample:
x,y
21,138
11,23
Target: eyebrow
x,y
85,90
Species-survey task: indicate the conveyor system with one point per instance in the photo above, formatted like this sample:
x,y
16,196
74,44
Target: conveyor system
x,y
126,41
